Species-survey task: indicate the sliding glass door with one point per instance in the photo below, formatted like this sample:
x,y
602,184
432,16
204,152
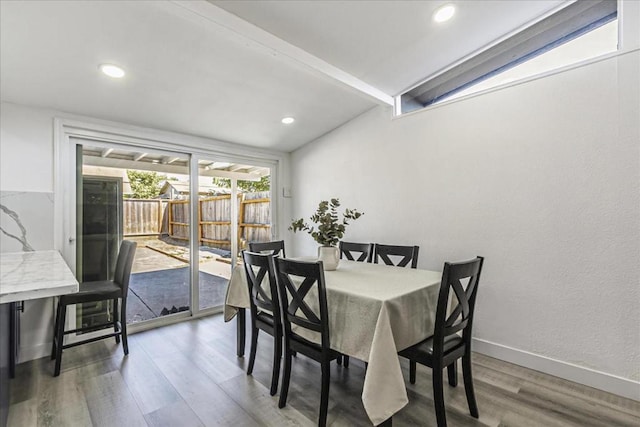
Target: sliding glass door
x,y
254,210
141,196
190,215
227,221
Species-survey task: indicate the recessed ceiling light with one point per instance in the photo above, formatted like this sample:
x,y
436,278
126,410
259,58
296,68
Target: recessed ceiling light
x,y
112,70
444,13
288,120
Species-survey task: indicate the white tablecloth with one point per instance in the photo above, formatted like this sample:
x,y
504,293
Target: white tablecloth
x,y
375,311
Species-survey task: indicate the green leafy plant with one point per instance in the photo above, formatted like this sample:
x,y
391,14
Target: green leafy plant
x,y
144,185
249,186
329,227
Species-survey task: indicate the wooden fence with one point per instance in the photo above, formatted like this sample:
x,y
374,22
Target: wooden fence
x,y
144,216
214,223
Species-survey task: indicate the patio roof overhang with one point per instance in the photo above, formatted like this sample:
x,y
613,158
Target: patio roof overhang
x,y
119,159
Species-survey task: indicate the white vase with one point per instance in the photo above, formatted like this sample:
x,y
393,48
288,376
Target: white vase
x,y
330,257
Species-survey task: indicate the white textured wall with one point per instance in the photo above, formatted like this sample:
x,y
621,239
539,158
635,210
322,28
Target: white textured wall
x,y
541,178
26,167
26,149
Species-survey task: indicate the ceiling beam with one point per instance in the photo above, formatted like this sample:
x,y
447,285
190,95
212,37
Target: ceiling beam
x,y
106,152
219,165
275,46
234,168
167,160
164,168
139,157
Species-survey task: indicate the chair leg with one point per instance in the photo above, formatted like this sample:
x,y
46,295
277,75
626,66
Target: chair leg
x,y
346,361
438,395
286,376
277,358
241,331
412,371
339,360
324,393
115,319
254,345
468,386
60,321
55,332
452,372
123,326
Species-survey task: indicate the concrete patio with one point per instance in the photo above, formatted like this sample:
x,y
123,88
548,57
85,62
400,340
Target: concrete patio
x,y
159,282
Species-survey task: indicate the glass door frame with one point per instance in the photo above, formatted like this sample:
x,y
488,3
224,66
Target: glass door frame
x,y
73,219
195,214
69,133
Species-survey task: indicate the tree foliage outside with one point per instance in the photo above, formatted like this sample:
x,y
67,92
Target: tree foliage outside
x,y
144,185
248,186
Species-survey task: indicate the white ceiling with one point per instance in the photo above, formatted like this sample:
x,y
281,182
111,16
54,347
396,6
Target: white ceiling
x,y
389,44
194,67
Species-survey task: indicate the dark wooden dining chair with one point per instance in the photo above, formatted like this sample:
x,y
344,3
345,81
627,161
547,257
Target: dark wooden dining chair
x,y
446,346
103,290
406,254
350,250
297,281
265,309
276,247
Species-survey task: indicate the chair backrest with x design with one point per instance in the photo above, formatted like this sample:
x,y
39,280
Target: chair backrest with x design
x,y
276,247
260,272
407,254
460,317
296,281
350,250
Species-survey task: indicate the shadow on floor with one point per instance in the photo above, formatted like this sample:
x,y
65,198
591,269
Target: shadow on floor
x,y
157,293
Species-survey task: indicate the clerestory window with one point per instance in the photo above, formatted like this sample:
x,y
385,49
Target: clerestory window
x,y
583,30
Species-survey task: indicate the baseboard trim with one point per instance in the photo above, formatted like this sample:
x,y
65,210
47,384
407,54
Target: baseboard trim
x,y
601,380
34,352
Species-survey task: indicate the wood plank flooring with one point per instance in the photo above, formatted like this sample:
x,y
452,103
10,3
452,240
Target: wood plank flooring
x,y
188,375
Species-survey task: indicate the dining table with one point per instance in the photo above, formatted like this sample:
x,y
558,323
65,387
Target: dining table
x,y
375,310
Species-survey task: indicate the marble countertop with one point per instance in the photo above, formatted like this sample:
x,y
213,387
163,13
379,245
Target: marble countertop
x,y
32,275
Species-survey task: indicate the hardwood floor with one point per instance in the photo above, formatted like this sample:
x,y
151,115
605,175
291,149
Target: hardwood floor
x,y
188,375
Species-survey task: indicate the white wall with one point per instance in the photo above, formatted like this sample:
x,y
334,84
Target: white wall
x,y
27,180
27,134
542,179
